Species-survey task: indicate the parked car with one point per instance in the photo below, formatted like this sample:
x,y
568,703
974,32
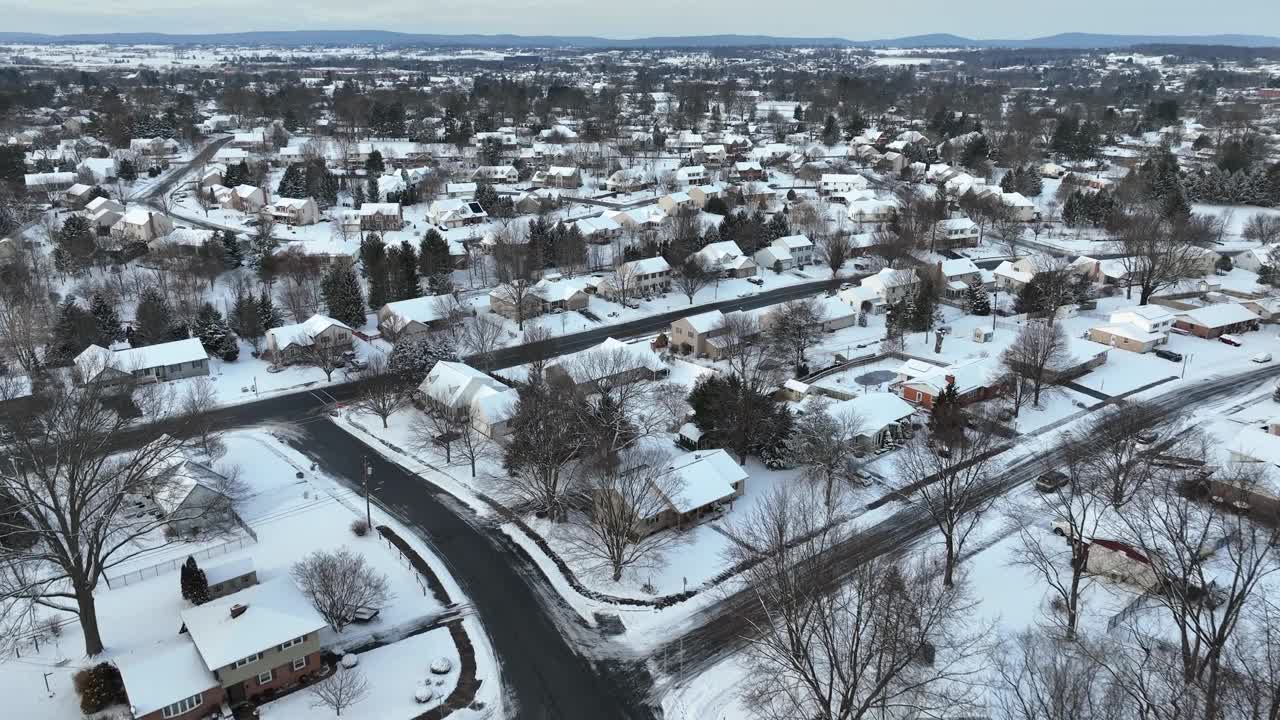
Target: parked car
x,y
1169,355
1261,358
756,281
1231,340
1050,481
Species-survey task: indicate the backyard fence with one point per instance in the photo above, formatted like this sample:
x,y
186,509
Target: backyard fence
x,y
146,573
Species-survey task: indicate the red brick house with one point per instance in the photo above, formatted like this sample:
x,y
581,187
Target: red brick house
x,y
974,381
1214,321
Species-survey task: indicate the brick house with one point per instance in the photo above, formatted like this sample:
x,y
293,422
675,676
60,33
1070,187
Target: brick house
x,y
974,381
1217,320
381,216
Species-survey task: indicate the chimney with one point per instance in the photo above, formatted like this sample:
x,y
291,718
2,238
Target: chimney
x,y
237,610
951,379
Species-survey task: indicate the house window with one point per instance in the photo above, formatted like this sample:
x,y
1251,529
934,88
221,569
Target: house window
x,y
245,661
291,643
299,664
183,705
266,677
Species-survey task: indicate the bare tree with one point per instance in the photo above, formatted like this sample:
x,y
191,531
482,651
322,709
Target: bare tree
x,y
1055,533
616,528
22,329
691,276
382,390
342,689
339,582
1037,355
794,327
324,356
1262,228
481,338
544,443
835,249
951,482
198,399
1158,254
452,428
1119,462
672,401
1039,679
879,640
823,443
538,342
71,478
1005,223
623,281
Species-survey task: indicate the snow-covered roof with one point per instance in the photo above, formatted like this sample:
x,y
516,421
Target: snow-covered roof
x,y
1153,314
1220,315
424,310
969,376
302,333
229,570
959,266
456,384
875,411
594,225
276,612
915,368
369,209
794,242
705,322
1007,269
705,477
158,675
558,290
94,359
493,406
648,266
1130,332
602,357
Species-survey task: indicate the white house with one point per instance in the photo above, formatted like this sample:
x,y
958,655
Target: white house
x,y
831,183
691,175
142,226
892,285
1023,209
295,211
456,213
726,257
153,363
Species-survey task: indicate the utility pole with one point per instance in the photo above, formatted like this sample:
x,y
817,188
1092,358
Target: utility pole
x,y
368,512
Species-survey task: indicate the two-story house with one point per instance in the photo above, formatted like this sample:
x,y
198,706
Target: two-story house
x,y
831,183
637,278
381,216
892,285
153,363
958,276
289,343
1137,329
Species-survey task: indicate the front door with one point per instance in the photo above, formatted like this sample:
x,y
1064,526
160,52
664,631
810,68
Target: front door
x,y
235,693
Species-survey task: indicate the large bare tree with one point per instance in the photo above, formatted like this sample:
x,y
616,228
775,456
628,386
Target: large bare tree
x,y
1158,254
623,500
73,474
793,328
382,390
339,582
692,275
950,480
1037,355
823,442
454,429
879,641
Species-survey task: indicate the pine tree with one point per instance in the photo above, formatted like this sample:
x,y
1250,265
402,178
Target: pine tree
x,y
245,320
293,184
231,249
371,193
342,295
74,331
154,319
194,582
433,254
268,316
415,354
126,171
777,227
1007,182
402,261
188,569
106,321
976,300
374,266
375,164
440,284
946,419
214,333
75,245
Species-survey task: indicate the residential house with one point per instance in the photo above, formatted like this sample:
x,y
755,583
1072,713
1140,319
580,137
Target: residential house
x,y
1052,170
1011,277
881,418
1023,209
212,175
892,162
599,230
103,170
628,180
703,482
832,183
558,177
154,363
801,248
758,196
1137,329
1266,308
556,294
537,201
958,276
496,174
1262,498
1216,320
892,285
691,175
456,213
609,364
727,258
676,203
637,278
103,214
49,182
646,219
872,211
750,171
710,154
468,394
701,194
247,198
141,226
837,314
294,211
694,334
154,147
415,316
190,499
77,196
288,343
975,380
457,191
230,577
957,232
381,216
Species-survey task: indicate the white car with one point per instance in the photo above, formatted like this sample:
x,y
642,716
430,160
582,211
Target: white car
x,y
1261,358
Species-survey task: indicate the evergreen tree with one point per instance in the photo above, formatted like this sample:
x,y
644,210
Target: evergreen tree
x,y
231,249
342,295
777,227
402,263
1029,298
187,569
268,316
976,300
294,182
371,193
74,331
194,582
373,263
946,417
415,354
486,195
924,309
357,195
440,284
76,245
830,131
154,319
125,170
214,333
245,320
374,165
1007,182
433,254
106,320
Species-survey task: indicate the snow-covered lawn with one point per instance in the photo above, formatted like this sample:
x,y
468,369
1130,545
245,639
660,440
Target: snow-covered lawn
x,y
394,673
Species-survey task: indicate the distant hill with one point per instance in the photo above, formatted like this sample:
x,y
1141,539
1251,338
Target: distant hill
x,y
387,37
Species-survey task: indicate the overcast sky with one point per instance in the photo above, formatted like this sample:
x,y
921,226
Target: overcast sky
x,y
857,19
